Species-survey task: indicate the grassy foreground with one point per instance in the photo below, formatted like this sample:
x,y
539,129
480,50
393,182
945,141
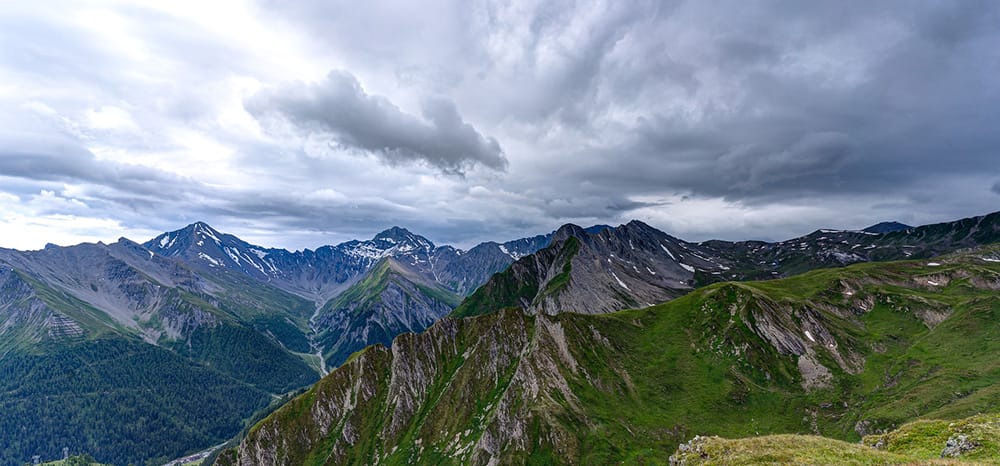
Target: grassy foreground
x,y
974,440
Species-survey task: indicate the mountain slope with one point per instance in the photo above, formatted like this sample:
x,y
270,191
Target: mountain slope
x,y
839,352
323,274
635,265
390,300
209,306
120,399
834,248
98,342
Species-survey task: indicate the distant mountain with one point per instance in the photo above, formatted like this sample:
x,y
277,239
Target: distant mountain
x,y
434,278
840,352
114,336
248,322
887,227
252,323
635,265
392,299
322,274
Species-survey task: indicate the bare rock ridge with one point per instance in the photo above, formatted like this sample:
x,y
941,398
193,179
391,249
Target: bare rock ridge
x,y
262,322
322,274
249,323
635,265
739,359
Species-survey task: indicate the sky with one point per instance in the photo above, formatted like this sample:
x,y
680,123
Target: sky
x,y
304,123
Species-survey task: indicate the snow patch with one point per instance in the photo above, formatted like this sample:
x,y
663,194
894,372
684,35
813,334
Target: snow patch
x,y
233,255
209,259
620,282
687,267
810,337
932,282
933,264
668,252
164,241
208,232
651,272
512,255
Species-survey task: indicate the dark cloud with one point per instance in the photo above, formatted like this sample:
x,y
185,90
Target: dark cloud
x,y
355,119
704,119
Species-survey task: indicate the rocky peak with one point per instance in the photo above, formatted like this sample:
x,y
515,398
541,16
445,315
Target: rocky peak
x,y
402,236
567,231
887,227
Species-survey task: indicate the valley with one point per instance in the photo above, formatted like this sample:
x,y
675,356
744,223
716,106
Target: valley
x,y
249,325
837,352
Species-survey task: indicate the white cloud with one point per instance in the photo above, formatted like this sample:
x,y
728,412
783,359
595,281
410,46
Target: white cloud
x,y
129,116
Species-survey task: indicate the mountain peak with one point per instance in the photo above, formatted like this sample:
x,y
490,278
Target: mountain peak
x,y
399,235
887,227
594,229
638,225
202,228
568,230
394,232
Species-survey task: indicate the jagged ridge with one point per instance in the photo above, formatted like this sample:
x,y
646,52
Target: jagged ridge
x,y
839,352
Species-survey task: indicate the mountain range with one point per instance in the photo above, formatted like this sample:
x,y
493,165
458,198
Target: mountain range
x,y
196,330
843,352
243,323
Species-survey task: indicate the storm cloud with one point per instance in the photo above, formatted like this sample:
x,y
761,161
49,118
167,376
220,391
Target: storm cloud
x,y
308,123
338,106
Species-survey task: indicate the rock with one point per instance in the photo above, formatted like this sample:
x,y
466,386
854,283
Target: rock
x,y
958,445
688,451
863,427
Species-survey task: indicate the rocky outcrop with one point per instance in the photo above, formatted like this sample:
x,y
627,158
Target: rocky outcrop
x,y
958,445
509,386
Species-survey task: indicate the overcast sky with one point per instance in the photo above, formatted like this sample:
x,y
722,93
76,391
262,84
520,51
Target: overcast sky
x,y
302,123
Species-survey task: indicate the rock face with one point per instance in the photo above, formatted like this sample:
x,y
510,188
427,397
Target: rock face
x,y
200,301
630,266
323,274
511,387
635,265
390,300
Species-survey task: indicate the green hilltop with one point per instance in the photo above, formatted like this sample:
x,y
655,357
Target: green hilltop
x,y
841,353
974,440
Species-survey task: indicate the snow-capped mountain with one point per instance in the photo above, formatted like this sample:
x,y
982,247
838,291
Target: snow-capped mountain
x,y
323,273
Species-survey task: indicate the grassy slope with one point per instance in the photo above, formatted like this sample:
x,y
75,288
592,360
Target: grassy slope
x,y
915,442
685,382
97,390
647,380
